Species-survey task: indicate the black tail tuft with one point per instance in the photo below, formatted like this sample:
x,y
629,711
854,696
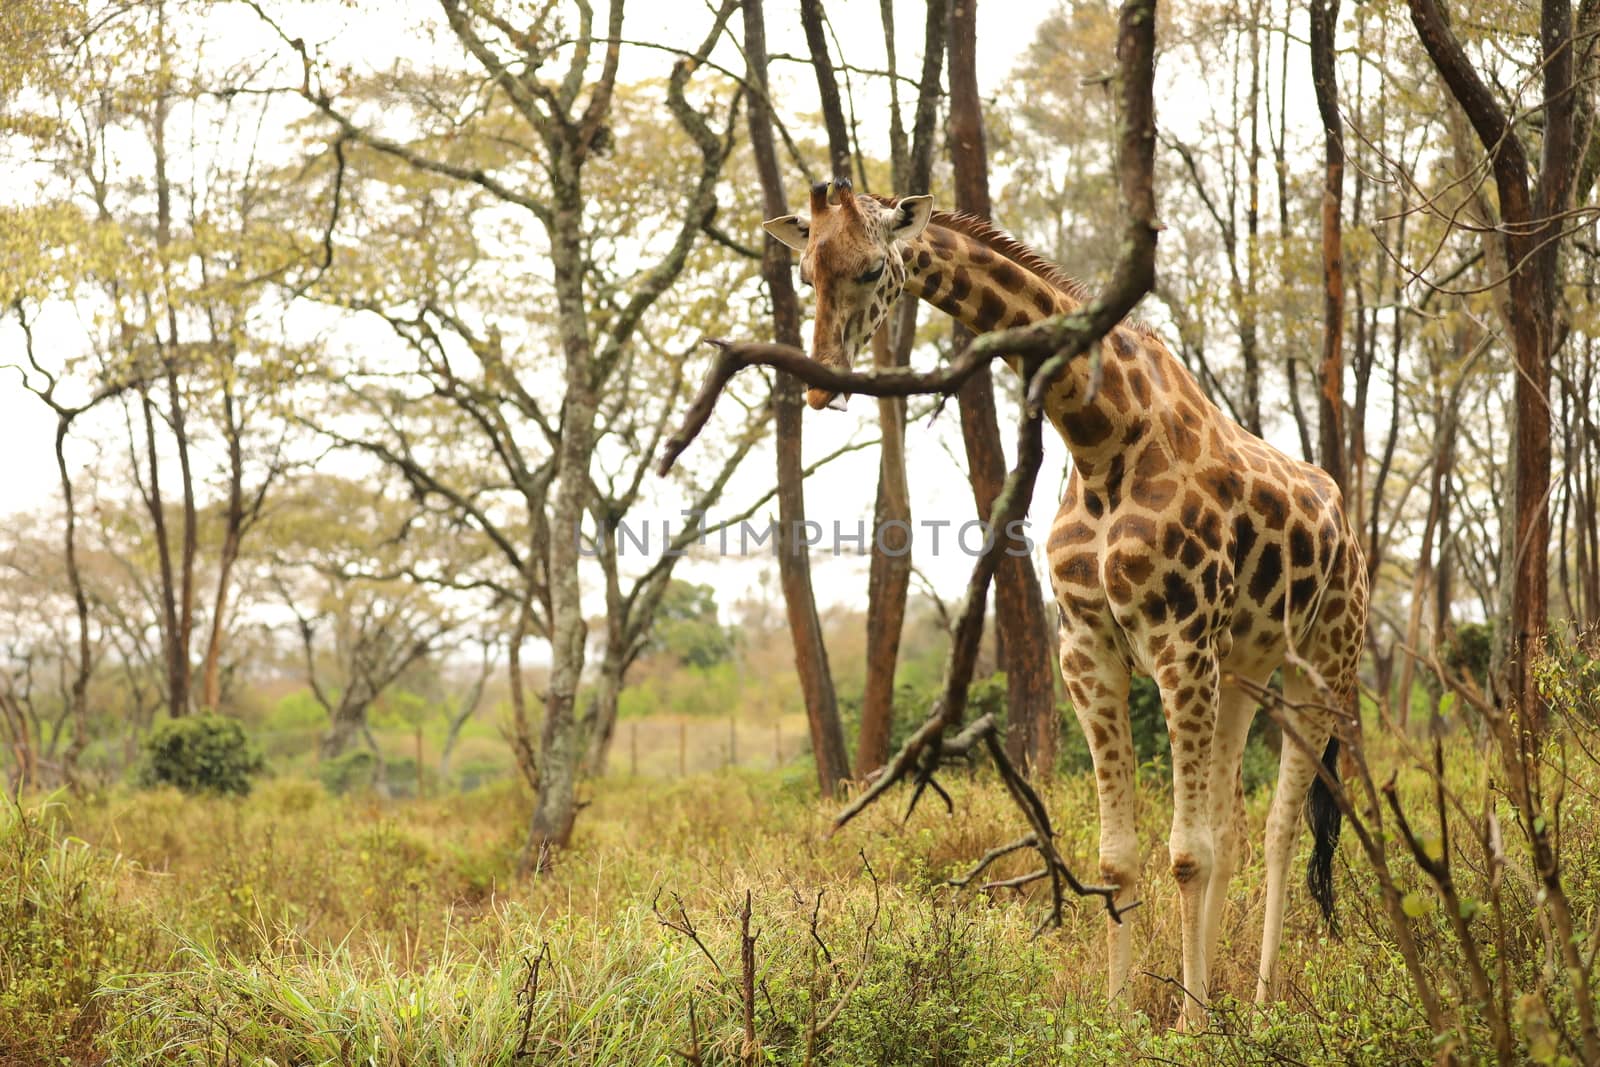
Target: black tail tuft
x,y
1324,818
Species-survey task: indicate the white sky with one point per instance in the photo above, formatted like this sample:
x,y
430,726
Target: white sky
x,y
374,35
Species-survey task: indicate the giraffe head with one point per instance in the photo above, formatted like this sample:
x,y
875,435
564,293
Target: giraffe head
x,y
848,254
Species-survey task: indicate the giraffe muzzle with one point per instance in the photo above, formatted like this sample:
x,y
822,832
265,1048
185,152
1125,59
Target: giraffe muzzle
x,y
818,399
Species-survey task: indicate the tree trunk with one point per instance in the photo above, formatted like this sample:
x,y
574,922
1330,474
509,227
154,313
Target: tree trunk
x,y
346,722
177,591
211,667
794,567
1250,306
600,724
80,602
232,540
22,748
1531,236
468,706
889,577
561,744
174,655
521,738
1330,401
1020,624
1291,354
822,64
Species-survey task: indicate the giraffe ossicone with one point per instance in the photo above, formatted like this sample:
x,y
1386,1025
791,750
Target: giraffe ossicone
x,y
1185,548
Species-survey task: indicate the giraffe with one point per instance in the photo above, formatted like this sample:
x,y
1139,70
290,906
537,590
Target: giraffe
x,y
1185,548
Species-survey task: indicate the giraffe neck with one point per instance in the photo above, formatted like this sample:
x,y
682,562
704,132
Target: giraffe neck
x,y
987,289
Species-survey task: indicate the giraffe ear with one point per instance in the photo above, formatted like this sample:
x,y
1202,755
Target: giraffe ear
x,y
911,217
792,230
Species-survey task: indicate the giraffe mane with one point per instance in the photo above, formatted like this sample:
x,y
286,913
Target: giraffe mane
x,y
1002,243
997,240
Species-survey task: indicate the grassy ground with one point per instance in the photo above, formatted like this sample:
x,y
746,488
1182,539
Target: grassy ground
x,y
295,927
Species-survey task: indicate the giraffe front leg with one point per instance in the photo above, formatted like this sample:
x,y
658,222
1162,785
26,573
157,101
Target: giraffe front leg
x,y
1189,697
1097,683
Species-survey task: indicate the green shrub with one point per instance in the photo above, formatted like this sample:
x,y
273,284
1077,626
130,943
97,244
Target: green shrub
x,y
400,776
1469,650
1151,745
473,774
354,770
914,702
200,753
942,988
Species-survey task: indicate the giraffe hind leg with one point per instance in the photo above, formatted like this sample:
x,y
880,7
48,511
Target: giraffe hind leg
x,y
1235,710
1297,770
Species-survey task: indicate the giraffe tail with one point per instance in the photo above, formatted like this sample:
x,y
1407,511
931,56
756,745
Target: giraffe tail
x,y
1322,813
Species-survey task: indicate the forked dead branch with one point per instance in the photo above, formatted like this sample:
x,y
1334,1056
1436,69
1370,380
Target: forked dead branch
x,y
930,749
1044,349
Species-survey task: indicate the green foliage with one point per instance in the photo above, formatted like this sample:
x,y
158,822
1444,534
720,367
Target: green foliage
x,y
1568,676
200,753
1260,763
400,776
474,773
914,696
1469,650
1151,745
305,928
347,772
1147,721
714,690
686,626
298,711
936,993
1148,724
400,707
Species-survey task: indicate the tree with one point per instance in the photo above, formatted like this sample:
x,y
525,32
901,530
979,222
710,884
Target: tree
x,y
811,656
1330,402
1020,625
169,277
686,626
1526,243
342,551
889,573
560,127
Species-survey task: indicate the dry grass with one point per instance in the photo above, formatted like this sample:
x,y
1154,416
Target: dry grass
x,y
297,927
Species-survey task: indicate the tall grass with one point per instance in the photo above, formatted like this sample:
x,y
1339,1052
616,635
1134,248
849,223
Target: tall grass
x,y
295,927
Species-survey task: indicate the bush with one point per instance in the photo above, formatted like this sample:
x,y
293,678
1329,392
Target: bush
x,y
354,770
200,753
1469,650
914,702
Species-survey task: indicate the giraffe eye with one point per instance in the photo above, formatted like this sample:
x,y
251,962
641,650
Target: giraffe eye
x,y
871,276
